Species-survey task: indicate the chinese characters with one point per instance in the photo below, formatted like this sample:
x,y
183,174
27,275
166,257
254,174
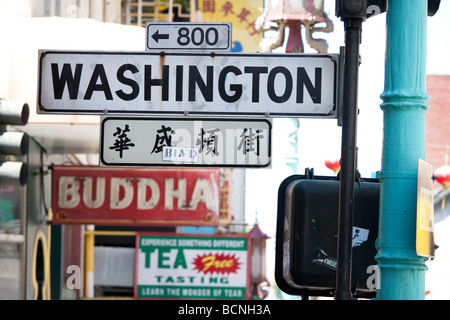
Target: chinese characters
x,y
122,141
163,139
250,141
195,142
207,140
226,9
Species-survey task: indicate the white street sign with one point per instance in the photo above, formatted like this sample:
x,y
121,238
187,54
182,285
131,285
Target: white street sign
x,y
284,85
201,142
188,36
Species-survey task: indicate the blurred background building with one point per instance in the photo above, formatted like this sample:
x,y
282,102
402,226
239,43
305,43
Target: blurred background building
x,y
35,255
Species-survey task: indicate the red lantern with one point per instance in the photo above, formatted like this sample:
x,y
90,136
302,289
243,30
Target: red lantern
x,y
442,175
334,165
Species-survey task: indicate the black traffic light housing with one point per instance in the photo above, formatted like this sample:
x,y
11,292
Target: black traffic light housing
x,y
367,8
13,144
433,7
351,9
307,229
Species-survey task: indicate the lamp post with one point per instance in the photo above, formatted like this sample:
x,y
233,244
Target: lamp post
x,y
258,262
402,271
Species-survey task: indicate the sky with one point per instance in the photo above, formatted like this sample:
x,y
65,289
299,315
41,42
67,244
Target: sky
x,y
373,34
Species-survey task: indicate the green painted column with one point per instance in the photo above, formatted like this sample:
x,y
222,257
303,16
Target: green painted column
x,y
402,272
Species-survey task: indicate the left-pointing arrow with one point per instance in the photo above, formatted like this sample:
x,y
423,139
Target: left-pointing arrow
x,y
156,36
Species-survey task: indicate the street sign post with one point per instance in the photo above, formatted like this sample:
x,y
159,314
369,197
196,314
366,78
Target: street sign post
x,y
192,142
270,85
188,36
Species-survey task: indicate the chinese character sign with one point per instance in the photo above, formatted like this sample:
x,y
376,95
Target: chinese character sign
x,y
242,14
132,141
191,266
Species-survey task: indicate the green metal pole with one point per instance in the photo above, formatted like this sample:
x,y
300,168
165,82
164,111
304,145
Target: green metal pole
x,y
402,272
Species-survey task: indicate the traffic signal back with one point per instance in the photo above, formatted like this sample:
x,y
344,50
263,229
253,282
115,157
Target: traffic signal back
x,y
307,233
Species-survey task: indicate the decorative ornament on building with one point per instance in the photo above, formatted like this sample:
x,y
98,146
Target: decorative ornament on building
x,y
293,14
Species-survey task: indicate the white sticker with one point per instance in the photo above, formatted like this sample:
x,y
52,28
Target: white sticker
x,y
180,154
359,236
